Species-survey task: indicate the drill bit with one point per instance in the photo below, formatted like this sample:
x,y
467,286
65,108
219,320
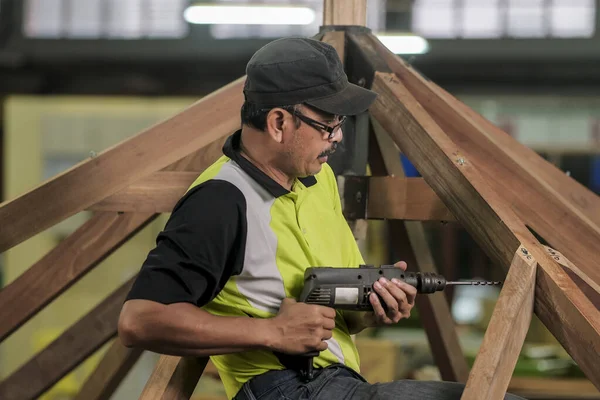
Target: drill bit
x,y
475,283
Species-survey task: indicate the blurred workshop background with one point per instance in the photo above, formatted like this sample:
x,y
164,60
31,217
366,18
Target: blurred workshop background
x,y
79,76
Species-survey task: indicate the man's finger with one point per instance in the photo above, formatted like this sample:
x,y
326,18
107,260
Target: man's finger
x,y
329,324
409,290
327,311
402,265
378,309
390,301
399,295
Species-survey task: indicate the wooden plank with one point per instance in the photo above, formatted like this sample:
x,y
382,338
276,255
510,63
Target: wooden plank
x,y
110,372
389,197
59,358
539,204
64,265
174,378
156,194
559,303
118,167
347,12
411,242
405,198
505,334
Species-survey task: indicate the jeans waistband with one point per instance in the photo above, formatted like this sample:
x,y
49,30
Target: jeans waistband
x,y
261,384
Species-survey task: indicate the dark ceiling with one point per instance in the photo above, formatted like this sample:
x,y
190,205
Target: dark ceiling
x,y
198,64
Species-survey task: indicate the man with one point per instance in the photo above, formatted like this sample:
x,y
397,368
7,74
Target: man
x,y
223,276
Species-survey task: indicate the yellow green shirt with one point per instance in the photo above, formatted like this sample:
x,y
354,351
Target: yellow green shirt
x,y
238,243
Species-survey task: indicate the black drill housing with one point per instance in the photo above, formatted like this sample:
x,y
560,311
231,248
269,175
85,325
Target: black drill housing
x,y
349,288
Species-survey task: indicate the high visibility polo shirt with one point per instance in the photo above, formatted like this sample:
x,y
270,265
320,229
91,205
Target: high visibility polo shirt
x,y
238,243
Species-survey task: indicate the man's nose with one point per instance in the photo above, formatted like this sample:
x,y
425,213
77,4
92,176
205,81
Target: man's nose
x,y
339,135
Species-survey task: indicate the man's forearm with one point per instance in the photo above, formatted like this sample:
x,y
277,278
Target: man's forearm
x,y
185,330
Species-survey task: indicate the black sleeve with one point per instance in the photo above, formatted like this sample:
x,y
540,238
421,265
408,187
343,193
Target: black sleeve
x,y
200,248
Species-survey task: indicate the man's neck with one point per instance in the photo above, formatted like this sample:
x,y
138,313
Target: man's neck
x,y
253,152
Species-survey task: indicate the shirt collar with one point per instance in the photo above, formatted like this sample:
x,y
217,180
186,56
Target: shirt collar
x,y
231,149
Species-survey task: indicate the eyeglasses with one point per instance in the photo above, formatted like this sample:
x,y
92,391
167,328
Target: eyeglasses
x,y
318,125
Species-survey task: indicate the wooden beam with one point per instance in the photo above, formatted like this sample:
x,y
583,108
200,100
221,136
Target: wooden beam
x,y
411,242
65,353
389,197
156,194
110,372
560,183
64,265
394,197
559,303
118,167
505,334
347,12
200,159
174,378
539,204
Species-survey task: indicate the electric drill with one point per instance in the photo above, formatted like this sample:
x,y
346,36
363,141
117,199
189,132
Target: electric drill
x,y
349,289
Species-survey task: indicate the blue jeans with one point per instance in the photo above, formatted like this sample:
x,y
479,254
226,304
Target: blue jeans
x,y
338,382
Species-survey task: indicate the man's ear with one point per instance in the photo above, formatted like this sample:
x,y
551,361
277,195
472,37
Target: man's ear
x,y
278,121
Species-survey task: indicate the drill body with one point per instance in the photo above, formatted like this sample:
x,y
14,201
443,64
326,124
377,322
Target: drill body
x,y
349,288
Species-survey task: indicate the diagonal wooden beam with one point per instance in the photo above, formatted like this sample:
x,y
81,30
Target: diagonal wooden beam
x,y
411,242
110,372
505,334
559,303
64,265
65,353
120,166
157,194
174,378
88,246
559,183
541,205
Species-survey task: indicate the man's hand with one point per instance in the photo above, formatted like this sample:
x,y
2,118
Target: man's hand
x,y
299,327
399,298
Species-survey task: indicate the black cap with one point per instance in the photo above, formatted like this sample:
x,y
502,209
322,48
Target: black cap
x,y
301,70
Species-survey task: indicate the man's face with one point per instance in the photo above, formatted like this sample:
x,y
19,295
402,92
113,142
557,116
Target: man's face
x,y
309,146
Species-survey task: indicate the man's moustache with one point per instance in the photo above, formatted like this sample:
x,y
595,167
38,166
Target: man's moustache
x,y
328,152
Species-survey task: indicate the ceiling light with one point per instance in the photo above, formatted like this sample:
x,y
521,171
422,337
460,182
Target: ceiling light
x,y
249,15
404,44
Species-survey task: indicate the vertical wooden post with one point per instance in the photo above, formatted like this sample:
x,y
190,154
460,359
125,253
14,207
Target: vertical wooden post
x,y
410,241
345,12
505,333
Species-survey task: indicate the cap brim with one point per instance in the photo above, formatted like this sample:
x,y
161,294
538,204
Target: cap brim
x,y
352,100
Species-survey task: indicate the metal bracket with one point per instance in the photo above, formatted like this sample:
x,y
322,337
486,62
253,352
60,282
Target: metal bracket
x,y
354,194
